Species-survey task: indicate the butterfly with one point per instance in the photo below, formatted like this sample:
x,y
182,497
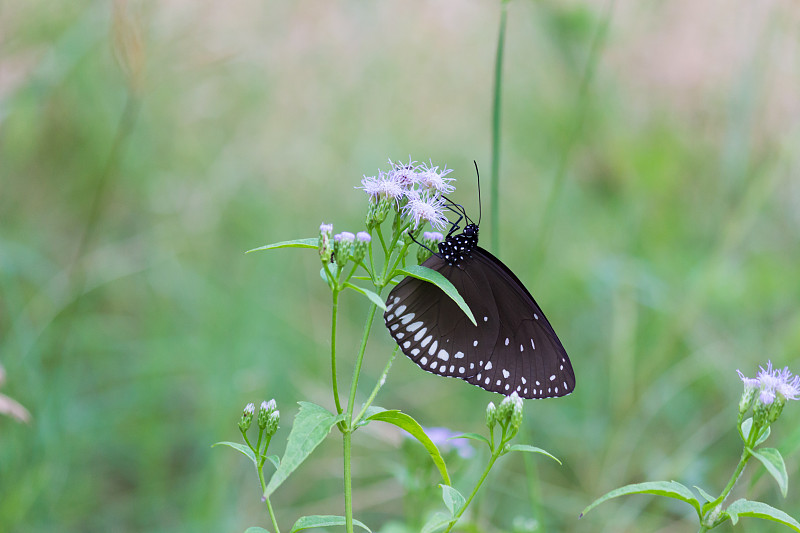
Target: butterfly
x,y
513,348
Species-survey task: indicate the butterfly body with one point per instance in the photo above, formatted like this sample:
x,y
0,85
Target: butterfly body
x,y
512,348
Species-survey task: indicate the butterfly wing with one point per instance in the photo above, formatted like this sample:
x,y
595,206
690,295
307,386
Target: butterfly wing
x,y
513,347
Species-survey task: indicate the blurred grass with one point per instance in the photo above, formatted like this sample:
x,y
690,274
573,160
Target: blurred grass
x,y
670,258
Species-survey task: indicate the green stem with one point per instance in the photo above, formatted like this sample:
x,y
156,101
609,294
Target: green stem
x,y
378,386
495,455
348,482
357,370
266,500
334,378
735,477
494,190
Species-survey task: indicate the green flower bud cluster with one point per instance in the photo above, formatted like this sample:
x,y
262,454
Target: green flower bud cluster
x,y
325,246
430,242
508,414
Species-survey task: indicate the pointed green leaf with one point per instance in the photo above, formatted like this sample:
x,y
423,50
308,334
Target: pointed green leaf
x,y
760,510
311,425
241,447
313,242
275,460
308,522
773,462
532,449
671,489
453,499
437,521
371,410
374,298
706,496
747,424
412,427
431,276
473,436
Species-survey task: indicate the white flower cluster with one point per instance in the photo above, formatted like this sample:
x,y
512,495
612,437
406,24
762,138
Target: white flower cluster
x,y
416,189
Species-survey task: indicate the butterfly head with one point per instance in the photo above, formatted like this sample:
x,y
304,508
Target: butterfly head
x,y
457,248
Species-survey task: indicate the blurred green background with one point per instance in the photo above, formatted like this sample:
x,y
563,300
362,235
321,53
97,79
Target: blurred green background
x,y
649,200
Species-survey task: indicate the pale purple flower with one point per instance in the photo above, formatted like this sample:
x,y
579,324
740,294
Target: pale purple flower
x,y
431,178
325,228
363,236
382,185
772,382
443,438
404,173
425,207
344,236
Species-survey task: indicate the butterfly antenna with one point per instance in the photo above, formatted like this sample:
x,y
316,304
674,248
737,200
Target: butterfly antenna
x,y
436,253
479,191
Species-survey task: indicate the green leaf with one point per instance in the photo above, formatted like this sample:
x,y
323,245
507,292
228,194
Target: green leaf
x,y
473,436
275,460
311,425
532,449
706,496
671,489
256,530
760,510
371,410
773,462
241,447
436,522
431,276
747,424
453,499
313,242
412,427
308,522
373,297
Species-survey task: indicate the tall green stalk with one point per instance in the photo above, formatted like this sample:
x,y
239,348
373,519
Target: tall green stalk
x,y
494,188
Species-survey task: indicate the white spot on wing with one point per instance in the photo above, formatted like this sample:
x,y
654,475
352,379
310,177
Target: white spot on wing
x,y
475,342
394,327
420,334
433,348
434,364
406,344
461,370
400,310
488,365
443,355
415,351
427,340
408,318
506,373
507,341
533,345
486,319
423,360
414,327
459,355
524,381
553,377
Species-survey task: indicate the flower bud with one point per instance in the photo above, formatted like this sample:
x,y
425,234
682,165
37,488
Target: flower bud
x,y
247,417
360,248
325,246
516,411
505,411
263,413
272,422
430,241
343,247
491,416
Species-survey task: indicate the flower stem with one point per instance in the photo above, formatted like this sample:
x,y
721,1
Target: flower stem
x,y
334,379
348,482
495,455
378,386
260,459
